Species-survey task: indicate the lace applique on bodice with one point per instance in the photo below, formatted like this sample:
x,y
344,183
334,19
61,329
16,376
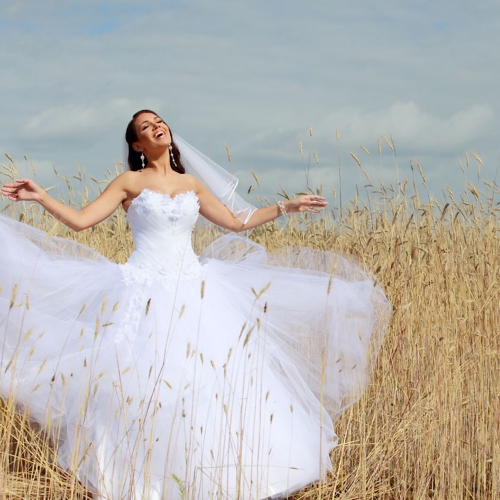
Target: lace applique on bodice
x,y
161,228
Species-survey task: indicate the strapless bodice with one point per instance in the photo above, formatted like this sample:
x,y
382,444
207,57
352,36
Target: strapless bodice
x,y
161,228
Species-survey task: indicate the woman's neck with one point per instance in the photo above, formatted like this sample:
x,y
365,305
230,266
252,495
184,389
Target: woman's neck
x,y
160,163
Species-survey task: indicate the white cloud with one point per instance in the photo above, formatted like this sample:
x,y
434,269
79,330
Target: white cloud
x,y
71,119
254,75
411,127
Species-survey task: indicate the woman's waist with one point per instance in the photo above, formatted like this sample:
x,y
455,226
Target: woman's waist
x,y
146,269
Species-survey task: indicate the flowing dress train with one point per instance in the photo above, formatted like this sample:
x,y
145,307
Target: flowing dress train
x,y
175,376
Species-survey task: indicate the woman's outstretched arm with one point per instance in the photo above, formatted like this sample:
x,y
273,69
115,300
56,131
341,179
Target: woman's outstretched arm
x,y
216,212
93,213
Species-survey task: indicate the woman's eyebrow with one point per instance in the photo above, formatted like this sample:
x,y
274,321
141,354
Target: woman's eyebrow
x,y
157,119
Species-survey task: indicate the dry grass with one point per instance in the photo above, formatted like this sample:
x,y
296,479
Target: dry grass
x,y
429,424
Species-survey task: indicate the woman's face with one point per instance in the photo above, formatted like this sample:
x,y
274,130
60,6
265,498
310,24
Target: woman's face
x,y
152,132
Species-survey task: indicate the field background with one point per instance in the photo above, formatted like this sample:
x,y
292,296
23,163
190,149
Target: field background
x,y
428,426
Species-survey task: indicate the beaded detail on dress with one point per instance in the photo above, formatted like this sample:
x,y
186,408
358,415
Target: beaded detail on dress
x,y
161,227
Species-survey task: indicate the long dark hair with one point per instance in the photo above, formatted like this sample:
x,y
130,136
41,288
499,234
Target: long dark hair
x,y
134,157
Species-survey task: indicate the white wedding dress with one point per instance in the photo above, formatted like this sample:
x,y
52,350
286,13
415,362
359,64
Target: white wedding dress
x,y
183,377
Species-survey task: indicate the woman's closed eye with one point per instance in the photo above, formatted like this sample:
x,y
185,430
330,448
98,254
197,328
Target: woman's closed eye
x,y
146,125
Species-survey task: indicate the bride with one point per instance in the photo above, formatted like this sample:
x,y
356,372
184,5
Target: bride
x,y
176,376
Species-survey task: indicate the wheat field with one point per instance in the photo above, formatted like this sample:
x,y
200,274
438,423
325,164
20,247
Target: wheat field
x,y
428,427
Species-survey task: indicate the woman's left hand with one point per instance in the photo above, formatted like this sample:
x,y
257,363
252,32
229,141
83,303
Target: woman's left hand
x,y
306,203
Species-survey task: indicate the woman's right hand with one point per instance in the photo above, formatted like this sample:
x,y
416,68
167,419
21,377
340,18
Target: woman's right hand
x,y
23,190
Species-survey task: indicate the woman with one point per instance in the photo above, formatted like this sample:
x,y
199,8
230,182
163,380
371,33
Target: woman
x,y
174,376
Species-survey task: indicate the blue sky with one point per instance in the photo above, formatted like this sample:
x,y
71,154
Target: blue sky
x,y
256,76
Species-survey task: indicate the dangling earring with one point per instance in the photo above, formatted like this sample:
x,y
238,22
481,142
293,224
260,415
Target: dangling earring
x,y
142,160
171,149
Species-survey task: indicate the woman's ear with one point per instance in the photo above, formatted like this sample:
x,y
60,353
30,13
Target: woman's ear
x,y
137,147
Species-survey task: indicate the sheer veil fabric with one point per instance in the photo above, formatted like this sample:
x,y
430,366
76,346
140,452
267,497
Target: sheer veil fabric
x,y
219,181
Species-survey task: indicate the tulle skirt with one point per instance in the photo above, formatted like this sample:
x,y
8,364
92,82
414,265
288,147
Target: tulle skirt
x,y
224,385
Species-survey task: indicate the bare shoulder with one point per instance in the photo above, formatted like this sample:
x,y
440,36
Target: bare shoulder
x,y
126,178
126,186
130,182
194,183
189,178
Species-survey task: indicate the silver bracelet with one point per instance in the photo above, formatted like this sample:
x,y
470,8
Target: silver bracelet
x,y
282,208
